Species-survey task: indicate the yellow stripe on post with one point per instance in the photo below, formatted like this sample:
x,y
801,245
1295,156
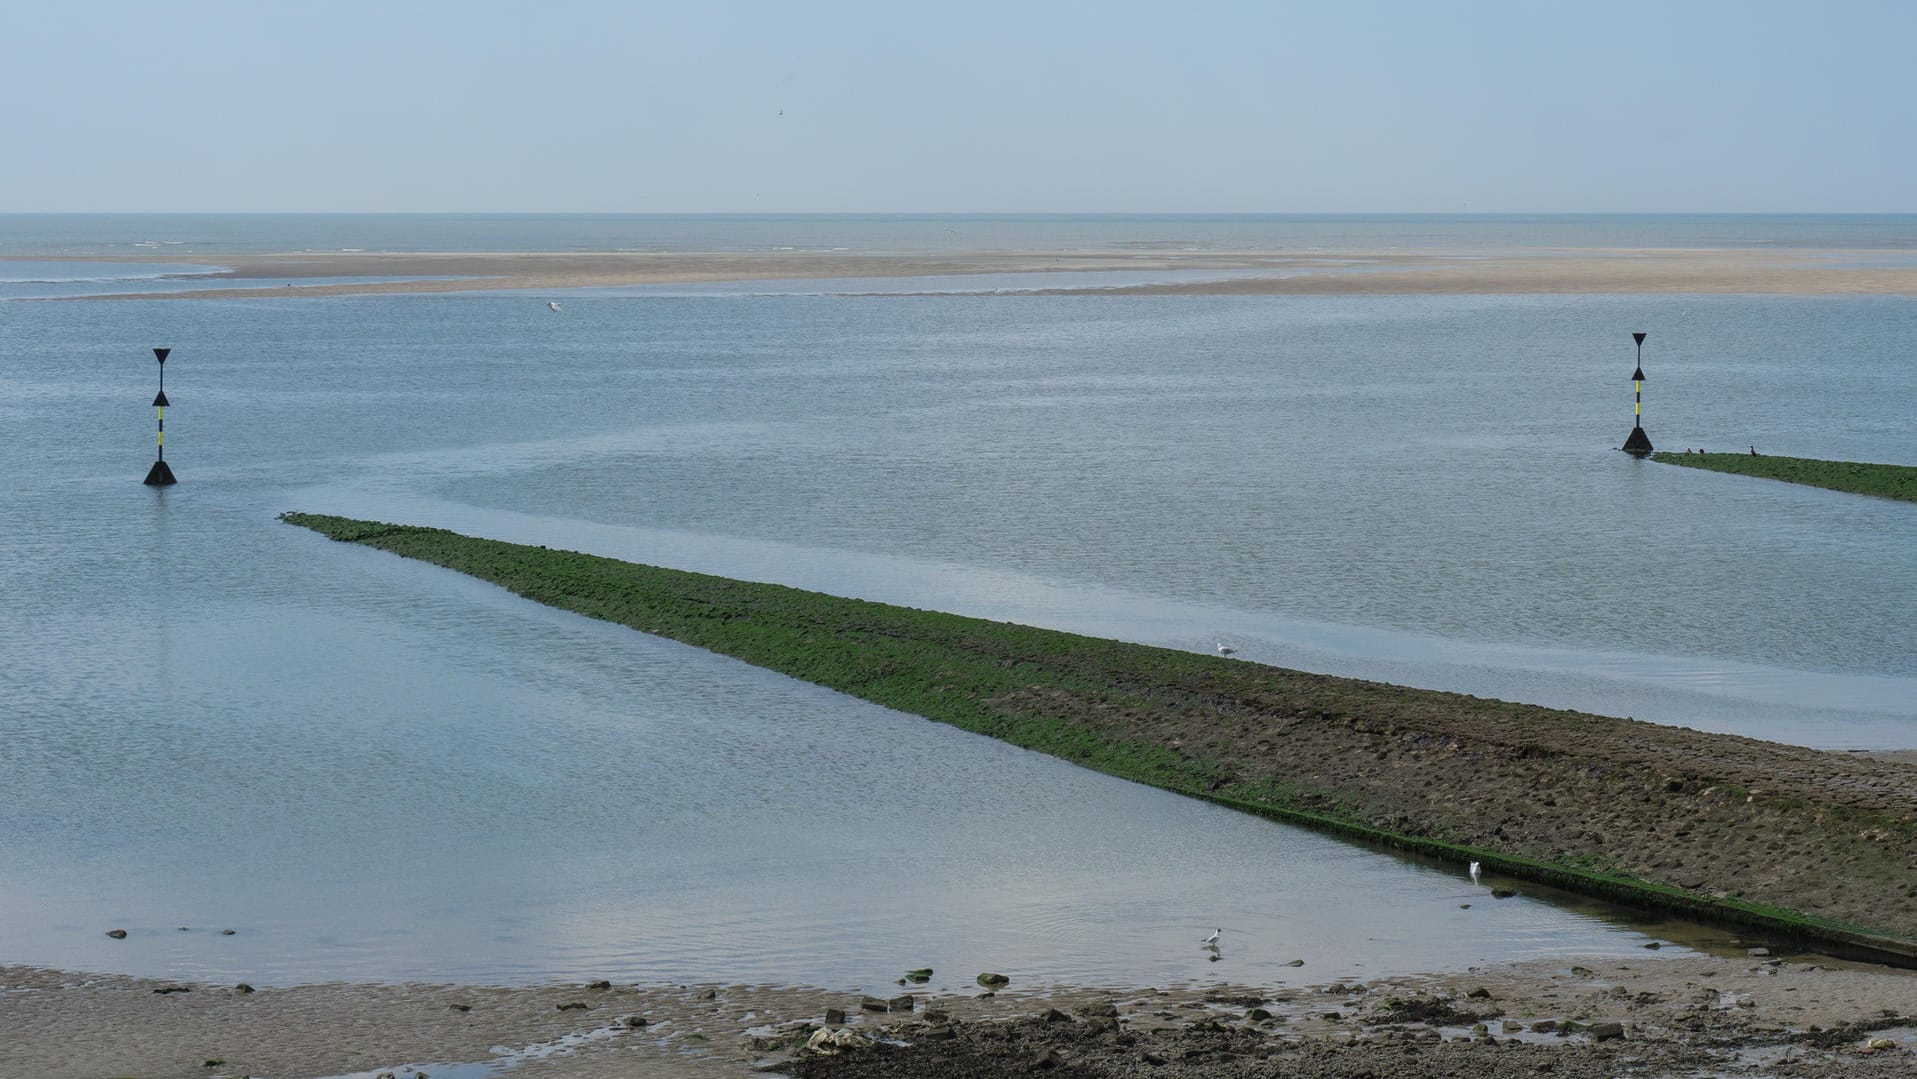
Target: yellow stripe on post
x,y
160,475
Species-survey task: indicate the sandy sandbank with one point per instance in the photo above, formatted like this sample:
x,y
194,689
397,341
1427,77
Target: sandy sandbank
x,y
1240,273
66,1026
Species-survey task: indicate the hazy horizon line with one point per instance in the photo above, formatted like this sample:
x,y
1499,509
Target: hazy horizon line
x,y
962,213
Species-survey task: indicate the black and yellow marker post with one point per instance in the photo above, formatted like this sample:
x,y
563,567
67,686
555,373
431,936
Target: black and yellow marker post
x,y
160,475
1639,443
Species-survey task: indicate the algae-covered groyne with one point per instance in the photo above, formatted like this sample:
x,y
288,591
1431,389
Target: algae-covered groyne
x,y
1796,841
1852,477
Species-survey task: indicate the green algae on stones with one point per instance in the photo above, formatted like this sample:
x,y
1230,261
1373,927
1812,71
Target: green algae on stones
x,y
1649,816
1852,477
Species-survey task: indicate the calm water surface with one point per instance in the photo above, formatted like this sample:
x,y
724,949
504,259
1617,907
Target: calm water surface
x,y
376,769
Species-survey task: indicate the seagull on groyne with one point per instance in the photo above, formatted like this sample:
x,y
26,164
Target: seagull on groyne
x,y
552,305
1476,869
1212,941
1225,649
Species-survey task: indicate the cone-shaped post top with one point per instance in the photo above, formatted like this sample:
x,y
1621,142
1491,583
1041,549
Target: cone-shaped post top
x,y
1639,443
160,475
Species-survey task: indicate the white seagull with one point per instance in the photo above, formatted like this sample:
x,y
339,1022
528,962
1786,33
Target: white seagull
x,y
552,305
1212,941
1476,869
1225,649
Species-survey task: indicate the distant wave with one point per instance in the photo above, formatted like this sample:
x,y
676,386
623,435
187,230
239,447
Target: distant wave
x,y
5,280
42,272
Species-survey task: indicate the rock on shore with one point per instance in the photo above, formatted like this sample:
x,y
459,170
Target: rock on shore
x,y
1649,1017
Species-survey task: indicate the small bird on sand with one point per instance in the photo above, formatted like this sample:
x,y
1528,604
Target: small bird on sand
x,y
1476,869
1225,649
1212,941
552,305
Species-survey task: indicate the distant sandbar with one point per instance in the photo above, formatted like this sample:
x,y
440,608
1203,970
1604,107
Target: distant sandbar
x,y
1796,272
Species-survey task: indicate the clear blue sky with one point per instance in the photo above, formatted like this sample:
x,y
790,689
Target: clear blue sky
x,y
812,105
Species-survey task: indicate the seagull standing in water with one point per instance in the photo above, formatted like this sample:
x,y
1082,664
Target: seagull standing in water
x,y
1476,869
1225,649
552,305
1212,941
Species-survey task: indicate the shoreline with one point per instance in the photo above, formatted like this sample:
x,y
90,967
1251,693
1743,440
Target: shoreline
x,y
1808,272
1684,1012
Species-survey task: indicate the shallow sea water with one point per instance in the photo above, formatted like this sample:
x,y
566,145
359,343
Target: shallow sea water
x,y
373,769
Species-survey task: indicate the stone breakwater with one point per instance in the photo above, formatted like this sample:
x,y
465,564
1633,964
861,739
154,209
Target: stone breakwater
x,y
1897,482
1790,839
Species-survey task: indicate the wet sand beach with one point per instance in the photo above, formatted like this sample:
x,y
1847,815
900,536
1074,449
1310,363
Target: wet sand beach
x,y
1240,273
1785,1015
